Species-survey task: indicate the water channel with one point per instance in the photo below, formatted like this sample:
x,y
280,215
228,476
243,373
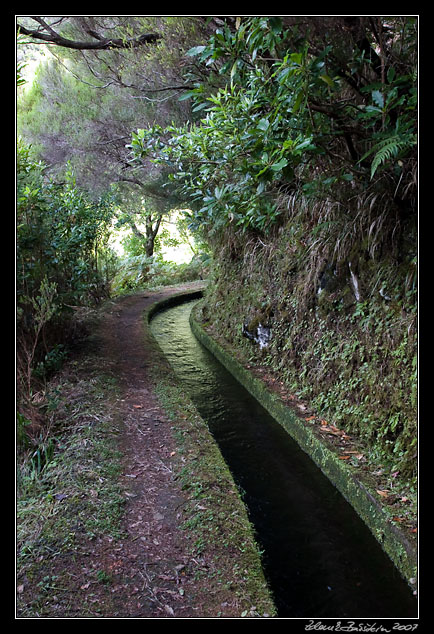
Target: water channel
x,y
319,558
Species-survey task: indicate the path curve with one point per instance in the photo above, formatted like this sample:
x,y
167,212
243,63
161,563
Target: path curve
x,y
154,573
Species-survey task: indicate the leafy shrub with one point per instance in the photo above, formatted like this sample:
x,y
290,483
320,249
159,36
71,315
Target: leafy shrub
x,y
60,234
142,272
296,108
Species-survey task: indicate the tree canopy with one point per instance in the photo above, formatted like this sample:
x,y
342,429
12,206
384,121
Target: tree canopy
x,y
271,130
305,105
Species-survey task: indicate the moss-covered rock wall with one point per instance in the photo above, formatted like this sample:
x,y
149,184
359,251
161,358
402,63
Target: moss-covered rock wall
x,y
342,325
353,485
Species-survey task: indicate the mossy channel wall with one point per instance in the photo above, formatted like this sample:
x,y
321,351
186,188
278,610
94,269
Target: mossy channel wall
x,y
400,550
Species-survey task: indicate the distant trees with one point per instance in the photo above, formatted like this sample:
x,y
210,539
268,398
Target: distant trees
x,y
85,101
144,204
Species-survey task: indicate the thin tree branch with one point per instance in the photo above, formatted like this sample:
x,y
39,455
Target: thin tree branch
x,y
51,37
109,83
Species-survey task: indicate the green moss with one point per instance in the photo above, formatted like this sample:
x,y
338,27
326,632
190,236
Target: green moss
x,y
400,550
354,361
221,519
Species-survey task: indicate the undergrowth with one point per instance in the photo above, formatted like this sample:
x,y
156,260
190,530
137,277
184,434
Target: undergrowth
x,y
68,487
350,352
141,272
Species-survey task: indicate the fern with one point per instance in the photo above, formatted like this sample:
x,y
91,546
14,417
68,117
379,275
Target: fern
x,y
388,148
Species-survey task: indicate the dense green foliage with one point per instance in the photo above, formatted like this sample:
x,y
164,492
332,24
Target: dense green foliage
x,y
354,363
61,236
292,140
302,172
293,113
139,271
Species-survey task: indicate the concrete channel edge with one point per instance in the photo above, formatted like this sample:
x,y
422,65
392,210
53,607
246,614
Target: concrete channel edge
x,y
399,549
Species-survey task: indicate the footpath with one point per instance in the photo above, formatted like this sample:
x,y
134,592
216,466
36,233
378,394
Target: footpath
x,y
183,547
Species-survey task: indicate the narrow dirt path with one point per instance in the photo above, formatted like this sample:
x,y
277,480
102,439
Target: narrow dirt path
x,y
154,571
151,566
140,518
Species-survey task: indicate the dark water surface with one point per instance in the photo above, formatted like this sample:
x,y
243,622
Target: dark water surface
x,y
319,558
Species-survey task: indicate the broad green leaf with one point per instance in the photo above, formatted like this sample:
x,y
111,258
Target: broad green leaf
x,y
263,125
196,50
328,80
187,95
275,24
391,74
297,58
297,102
201,106
377,97
279,165
304,144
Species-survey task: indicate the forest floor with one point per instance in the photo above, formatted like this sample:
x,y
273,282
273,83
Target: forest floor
x,y
136,516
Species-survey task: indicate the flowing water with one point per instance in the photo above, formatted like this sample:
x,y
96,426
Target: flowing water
x,y
319,558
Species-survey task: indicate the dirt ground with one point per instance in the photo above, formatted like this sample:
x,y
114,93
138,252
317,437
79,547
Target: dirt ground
x,y
149,566
152,572
152,565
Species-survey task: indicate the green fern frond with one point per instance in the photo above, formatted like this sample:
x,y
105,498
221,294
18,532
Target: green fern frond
x,y
388,148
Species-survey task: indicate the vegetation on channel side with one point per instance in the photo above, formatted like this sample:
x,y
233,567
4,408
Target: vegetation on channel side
x,y
288,145
302,175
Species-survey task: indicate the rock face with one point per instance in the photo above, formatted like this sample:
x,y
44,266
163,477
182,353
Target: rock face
x,y
259,334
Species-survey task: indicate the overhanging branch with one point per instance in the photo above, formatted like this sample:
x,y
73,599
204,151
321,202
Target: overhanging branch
x,y
50,36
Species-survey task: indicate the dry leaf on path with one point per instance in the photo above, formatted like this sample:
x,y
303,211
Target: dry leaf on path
x,y
384,494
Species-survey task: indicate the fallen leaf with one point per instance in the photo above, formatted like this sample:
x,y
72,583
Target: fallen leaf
x,y
138,406
398,519
310,418
344,457
173,453
383,494
331,429
413,530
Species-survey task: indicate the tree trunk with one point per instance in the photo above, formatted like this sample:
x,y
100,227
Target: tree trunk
x,y
147,239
